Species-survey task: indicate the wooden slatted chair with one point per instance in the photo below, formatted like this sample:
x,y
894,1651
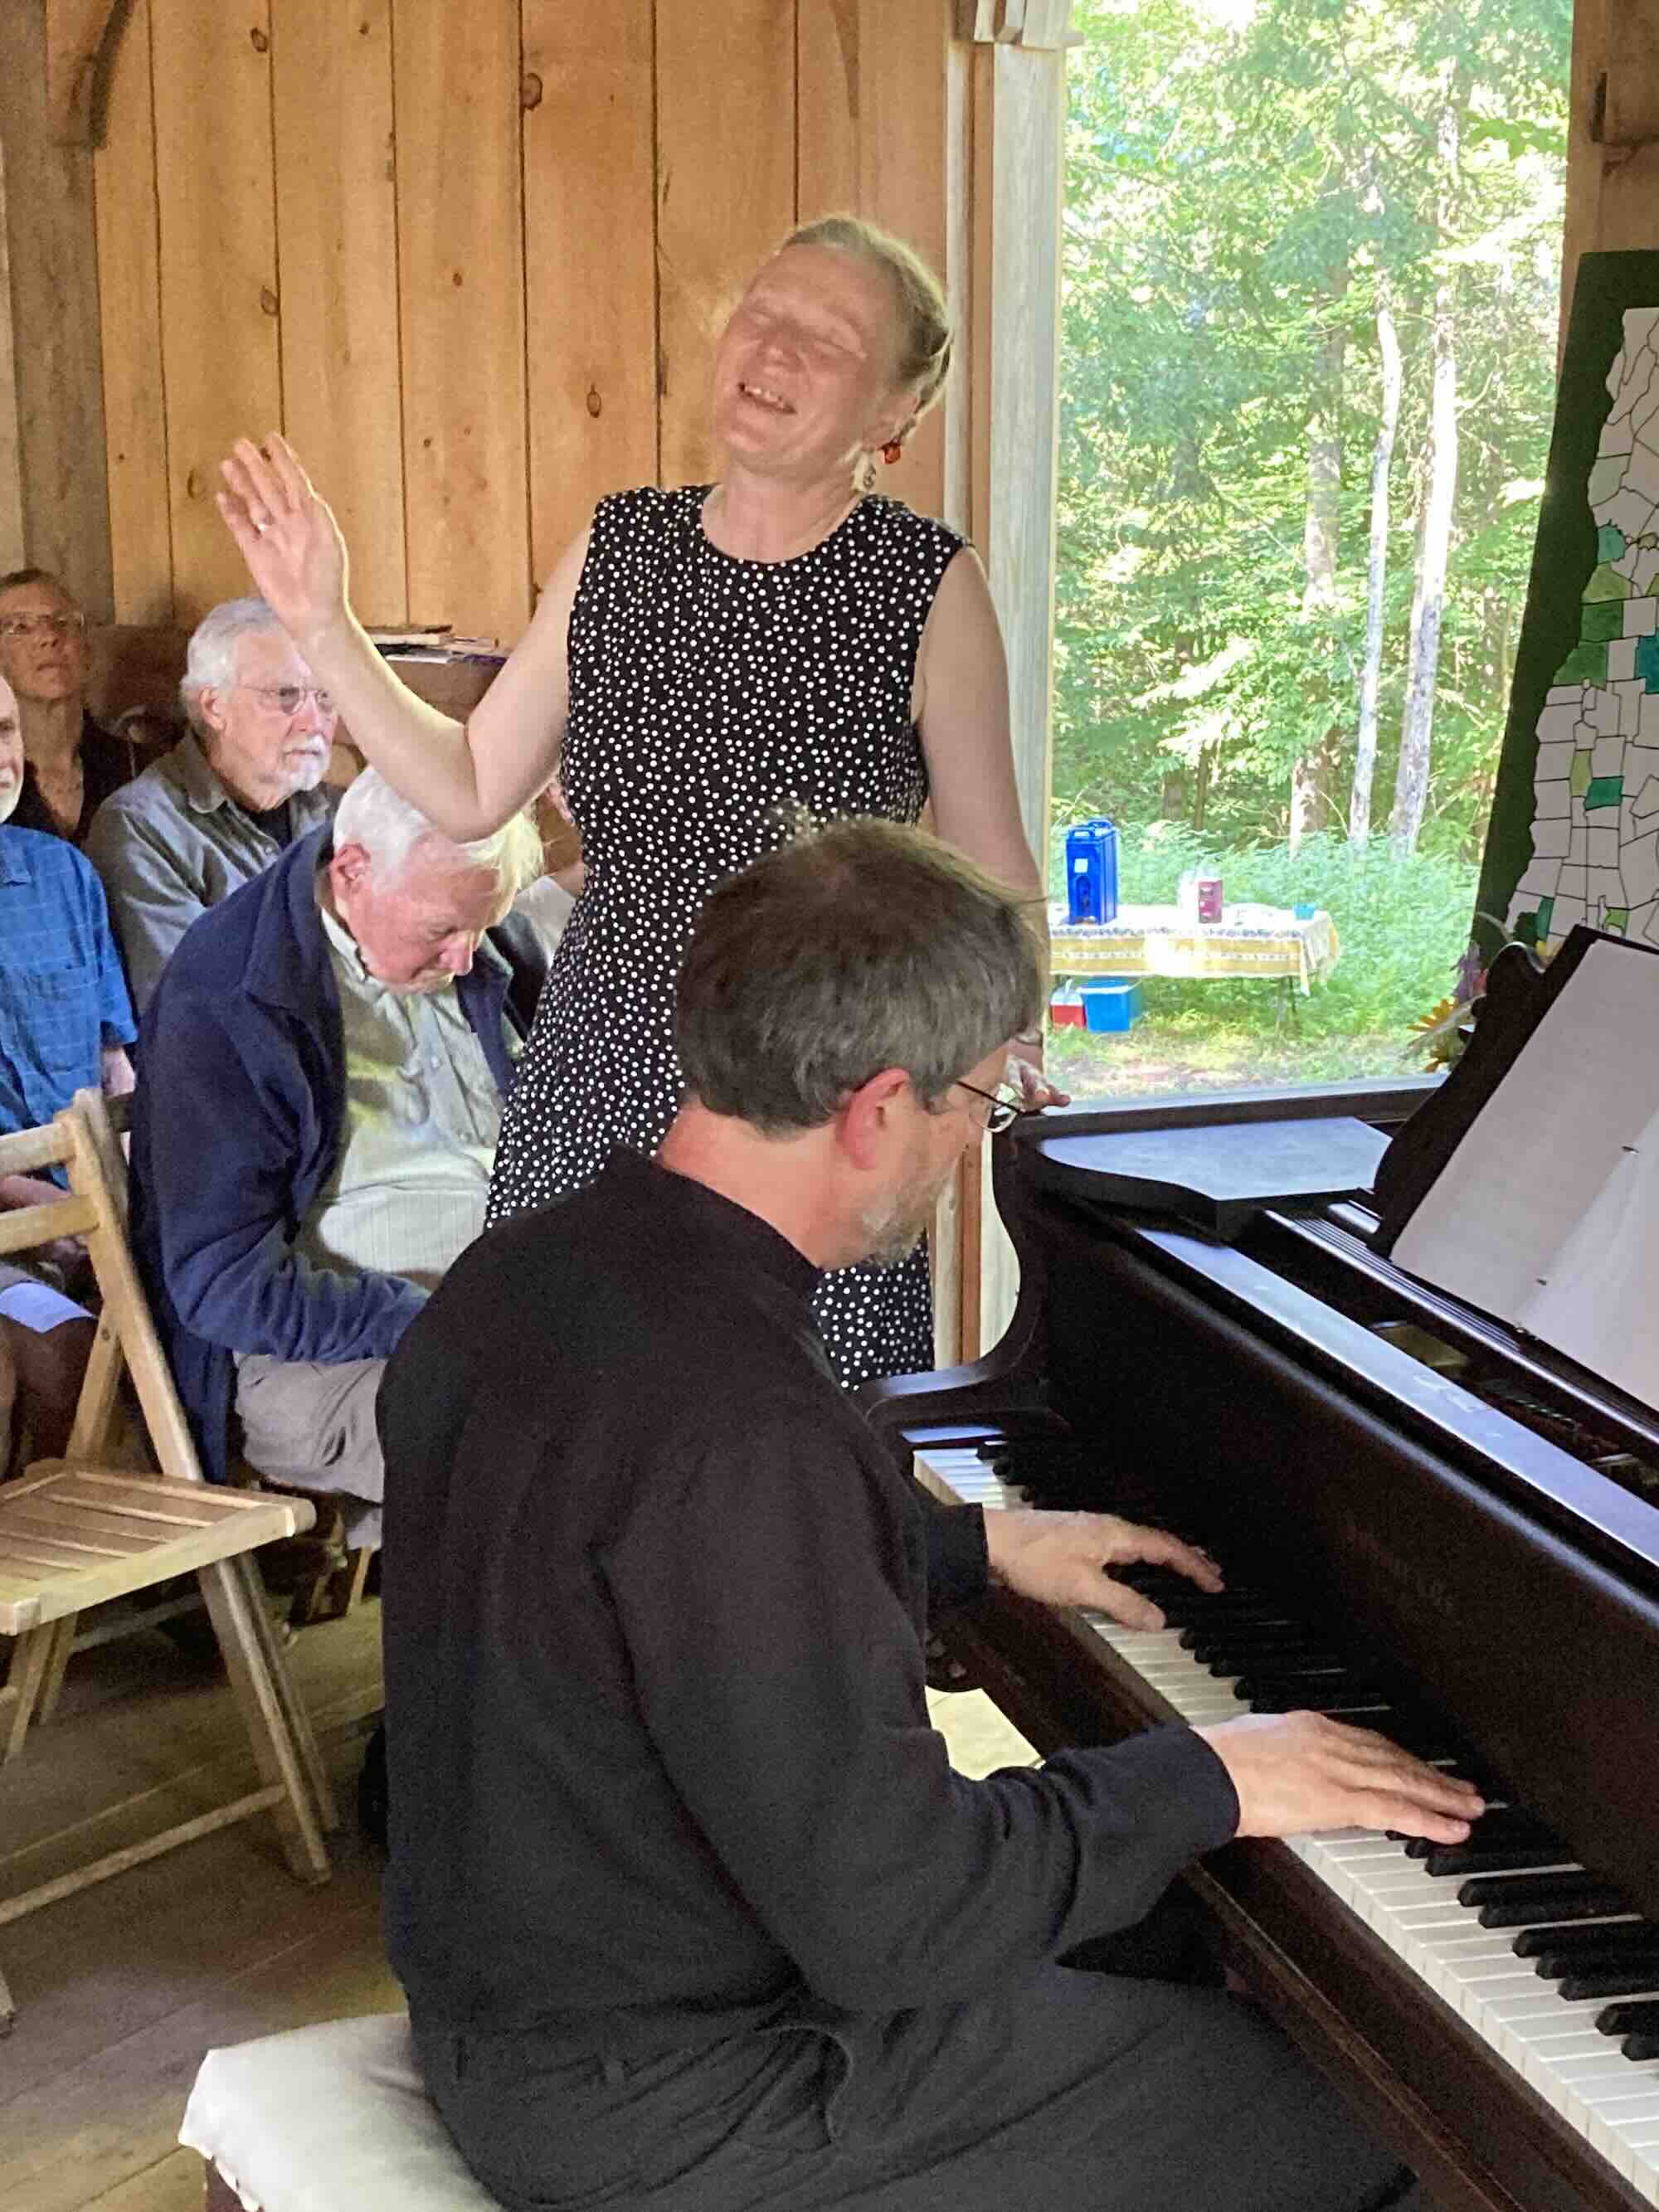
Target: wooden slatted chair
x,y
77,1532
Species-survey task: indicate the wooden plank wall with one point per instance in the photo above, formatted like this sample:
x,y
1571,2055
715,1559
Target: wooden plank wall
x,y
469,259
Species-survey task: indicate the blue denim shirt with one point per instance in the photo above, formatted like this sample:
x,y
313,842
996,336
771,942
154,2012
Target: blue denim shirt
x,y
61,994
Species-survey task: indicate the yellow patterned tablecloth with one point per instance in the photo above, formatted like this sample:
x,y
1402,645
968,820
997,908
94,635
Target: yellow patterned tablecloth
x,y
1155,940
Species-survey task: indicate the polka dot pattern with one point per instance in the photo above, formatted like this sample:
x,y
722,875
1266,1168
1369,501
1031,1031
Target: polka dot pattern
x,y
709,697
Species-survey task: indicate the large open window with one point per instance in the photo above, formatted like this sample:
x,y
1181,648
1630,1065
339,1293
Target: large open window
x,y
1311,272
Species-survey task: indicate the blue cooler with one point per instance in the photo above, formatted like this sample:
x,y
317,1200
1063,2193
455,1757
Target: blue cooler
x,y
1091,872
1110,1006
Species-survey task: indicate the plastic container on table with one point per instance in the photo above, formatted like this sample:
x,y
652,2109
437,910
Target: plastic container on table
x,y
1091,872
1110,1006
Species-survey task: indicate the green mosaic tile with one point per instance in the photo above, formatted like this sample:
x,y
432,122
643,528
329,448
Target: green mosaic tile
x,y
1542,920
1617,917
1578,776
1609,542
1606,584
1599,620
1647,661
1601,790
1588,663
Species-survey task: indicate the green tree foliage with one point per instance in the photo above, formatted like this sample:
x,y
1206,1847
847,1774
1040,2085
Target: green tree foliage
x,y
1242,175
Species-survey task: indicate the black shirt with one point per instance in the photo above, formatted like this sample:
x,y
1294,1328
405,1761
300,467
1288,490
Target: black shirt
x,y
655,1603
106,762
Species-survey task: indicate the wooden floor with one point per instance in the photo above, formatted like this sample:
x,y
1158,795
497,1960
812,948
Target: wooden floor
x,y
121,1989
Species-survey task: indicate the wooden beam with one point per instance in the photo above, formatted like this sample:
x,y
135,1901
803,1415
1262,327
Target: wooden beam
x,y
130,309
11,457
1630,107
81,37
55,350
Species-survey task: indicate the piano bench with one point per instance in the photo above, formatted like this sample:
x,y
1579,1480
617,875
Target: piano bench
x,y
332,2118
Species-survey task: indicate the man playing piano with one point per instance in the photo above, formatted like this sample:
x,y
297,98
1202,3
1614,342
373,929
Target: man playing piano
x,y
691,1907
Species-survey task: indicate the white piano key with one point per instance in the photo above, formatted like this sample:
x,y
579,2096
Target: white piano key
x,y
1547,2041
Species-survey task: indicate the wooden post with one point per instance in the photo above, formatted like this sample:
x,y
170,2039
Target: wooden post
x,y
1010,171
1612,136
61,490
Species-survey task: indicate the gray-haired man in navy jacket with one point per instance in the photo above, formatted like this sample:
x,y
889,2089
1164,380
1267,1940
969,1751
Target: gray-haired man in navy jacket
x,y
324,1066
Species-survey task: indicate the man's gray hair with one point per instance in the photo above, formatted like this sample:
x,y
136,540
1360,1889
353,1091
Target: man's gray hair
x,y
859,947
211,656
381,820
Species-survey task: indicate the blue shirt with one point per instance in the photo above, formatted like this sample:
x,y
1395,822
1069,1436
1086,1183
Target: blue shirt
x,y
61,994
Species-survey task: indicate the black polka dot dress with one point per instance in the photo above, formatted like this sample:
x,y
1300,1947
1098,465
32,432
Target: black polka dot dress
x,y
708,697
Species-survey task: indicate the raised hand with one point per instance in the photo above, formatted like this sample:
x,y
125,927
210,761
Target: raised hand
x,y
1063,1557
1294,1771
287,535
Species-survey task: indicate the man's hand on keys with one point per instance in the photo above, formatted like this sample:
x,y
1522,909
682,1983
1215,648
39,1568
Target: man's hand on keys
x,y
1293,1771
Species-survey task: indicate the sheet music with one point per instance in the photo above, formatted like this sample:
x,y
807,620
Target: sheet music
x,y
1547,1213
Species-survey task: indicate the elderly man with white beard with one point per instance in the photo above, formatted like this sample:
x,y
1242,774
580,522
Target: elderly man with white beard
x,y
241,785
65,1023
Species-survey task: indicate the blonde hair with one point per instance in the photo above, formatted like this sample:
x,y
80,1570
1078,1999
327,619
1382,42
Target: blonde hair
x,y
924,335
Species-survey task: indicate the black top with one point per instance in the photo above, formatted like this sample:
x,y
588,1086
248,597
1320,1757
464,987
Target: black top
x,y
655,1604
106,762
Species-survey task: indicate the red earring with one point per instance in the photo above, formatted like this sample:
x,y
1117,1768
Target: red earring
x,y
891,450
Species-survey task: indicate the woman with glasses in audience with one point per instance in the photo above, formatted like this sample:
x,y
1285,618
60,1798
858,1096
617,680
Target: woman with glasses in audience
x,y
72,764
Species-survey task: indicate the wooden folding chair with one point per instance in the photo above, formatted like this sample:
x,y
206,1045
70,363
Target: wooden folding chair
x,y
78,1531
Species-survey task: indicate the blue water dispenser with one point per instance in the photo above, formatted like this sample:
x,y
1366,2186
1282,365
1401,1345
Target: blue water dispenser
x,y
1091,872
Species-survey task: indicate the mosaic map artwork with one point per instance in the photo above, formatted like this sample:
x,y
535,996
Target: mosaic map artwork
x,y
1595,778
1575,831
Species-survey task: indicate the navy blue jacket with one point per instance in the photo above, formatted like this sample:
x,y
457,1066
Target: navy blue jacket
x,y
237,1124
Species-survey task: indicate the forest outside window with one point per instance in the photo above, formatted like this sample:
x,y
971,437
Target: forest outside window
x,y
1311,294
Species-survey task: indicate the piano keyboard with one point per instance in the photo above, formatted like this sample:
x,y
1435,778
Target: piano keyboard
x,y
1489,1975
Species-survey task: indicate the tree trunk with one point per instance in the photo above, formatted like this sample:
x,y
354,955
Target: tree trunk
x,y
1314,774
1411,789
1371,675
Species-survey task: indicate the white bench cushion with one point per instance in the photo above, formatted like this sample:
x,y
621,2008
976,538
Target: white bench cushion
x,y
333,2118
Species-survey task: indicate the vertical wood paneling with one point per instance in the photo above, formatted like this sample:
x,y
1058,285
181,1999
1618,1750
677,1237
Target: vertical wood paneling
x,y
725,191
871,101
902,160
336,244
11,451
828,36
460,252
590,261
218,269
56,362
130,312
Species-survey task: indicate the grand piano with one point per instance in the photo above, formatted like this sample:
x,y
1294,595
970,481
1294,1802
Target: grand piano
x,y
1428,1525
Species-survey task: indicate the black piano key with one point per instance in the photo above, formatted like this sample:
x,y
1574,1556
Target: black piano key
x,y
1473,1857
1266,1654
1307,1693
1511,1900
1640,2047
1602,1936
1631,1976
